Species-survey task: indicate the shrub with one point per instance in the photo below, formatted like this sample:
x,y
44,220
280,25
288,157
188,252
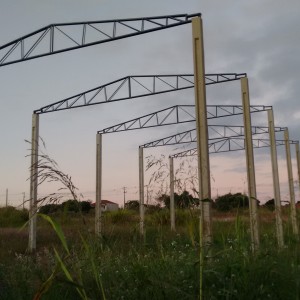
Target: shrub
x,y
184,200
132,205
12,217
270,204
67,206
120,216
48,209
228,201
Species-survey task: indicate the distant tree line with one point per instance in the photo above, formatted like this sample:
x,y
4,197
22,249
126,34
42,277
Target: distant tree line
x,y
222,203
183,200
229,201
135,205
186,200
67,206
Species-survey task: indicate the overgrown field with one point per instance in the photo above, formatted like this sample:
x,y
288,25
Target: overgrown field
x,y
162,265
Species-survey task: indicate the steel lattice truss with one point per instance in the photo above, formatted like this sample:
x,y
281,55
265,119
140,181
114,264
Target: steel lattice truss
x,y
133,87
231,144
180,114
61,37
214,132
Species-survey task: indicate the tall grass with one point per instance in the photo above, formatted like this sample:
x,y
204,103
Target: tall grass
x,y
164,266
70,263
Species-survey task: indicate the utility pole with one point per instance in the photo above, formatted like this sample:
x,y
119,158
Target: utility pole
x,y
147,195
23,200
6,201
124,192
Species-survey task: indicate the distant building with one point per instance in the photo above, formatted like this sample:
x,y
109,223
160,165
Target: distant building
x,y
107,205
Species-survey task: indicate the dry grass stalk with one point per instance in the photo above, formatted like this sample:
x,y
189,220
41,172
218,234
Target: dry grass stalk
x,y
49,172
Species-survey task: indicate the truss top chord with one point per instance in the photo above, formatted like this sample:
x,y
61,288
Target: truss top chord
x,y
229,144
221,131
178,114
62,37
136,86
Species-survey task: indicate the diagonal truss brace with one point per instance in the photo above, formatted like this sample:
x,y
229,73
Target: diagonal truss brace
x,y
214,132
180,114
130,87
231,144
62,37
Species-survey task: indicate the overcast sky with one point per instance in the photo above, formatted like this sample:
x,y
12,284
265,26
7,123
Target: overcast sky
x,y
258,37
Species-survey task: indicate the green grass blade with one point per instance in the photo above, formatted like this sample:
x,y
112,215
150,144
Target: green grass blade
x,y
45,286
80,290
94,268
58,231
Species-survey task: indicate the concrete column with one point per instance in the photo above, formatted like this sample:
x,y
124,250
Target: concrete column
x,y
276,187
202,132
98,218
250,165
33,182
141,188
172,204
298,162
291,182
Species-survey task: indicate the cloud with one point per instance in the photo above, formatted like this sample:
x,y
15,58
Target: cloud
x,y
257,37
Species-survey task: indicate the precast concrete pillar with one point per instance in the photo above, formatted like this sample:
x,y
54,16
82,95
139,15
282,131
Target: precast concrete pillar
x,y
33,182
172,204
141,190
276,186
98,209
202,133
291,182
250,165
298,162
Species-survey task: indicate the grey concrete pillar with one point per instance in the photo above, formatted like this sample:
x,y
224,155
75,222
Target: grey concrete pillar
x,y
298,162
141,189
33,182
291,182
276,184
202,132
250,165
172,204
98,217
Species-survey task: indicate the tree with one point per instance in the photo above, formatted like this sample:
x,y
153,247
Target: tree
x,y
228,201
66,206
85,206
132,204
165,199
48,208
70,205
270,204
184,200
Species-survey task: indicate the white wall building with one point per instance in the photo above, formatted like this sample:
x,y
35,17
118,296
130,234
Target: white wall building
x,y
109,206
